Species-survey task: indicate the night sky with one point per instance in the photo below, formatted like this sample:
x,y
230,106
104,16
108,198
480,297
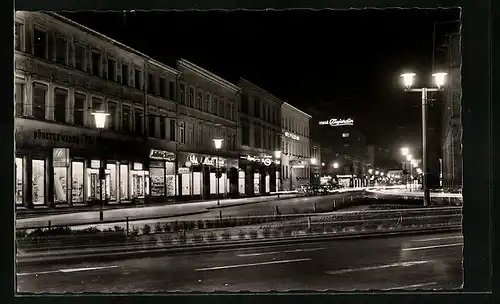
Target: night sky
x,y
326,63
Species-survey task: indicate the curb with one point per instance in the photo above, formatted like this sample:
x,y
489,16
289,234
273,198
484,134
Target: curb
x,y
250,203
121,253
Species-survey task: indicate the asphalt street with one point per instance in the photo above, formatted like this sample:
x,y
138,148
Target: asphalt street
x,y
262,208
425,262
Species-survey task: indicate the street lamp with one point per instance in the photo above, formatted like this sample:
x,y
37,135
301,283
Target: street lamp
x,y
218,145
335,165
370,171
405,151
313,161
100,123
439,80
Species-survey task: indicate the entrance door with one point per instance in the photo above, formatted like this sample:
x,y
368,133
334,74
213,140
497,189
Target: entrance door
x,y
138,184
94,186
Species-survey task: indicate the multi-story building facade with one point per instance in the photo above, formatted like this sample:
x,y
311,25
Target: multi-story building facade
x,y
295,158
452,118
207,110
64,72
260,138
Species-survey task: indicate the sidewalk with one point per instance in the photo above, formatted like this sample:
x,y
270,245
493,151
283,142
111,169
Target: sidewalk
x,y
170,210
416,192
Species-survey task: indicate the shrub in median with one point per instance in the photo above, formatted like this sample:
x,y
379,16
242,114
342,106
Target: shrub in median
x,y
226,236
134,231
200,224
21,233
253,234
166,227
175,226
158,228
211,237
197,238
167,239
241,234
276,233
266,232
181,238
146,229
119,229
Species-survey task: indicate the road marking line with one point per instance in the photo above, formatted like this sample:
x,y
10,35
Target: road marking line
x,y
412,286
276,252
85,269
401,264
65,270
432,247
438,239
253,264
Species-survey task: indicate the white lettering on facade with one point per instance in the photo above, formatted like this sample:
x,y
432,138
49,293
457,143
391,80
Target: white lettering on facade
x,y
206,160
160,154
292,136
266,159
334,122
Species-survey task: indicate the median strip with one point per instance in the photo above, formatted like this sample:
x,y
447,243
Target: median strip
x,y
276,252
252,264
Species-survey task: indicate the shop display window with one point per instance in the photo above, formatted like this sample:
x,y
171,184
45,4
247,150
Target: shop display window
x,y
157,181
19,180
186,185
213,183
241,182
124,182
112,181
197,183
38,181
60,178
77,182
256,183
268,184
170,179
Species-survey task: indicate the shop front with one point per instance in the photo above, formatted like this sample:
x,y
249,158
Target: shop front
x,y
202,176
162,174
59,165
257,174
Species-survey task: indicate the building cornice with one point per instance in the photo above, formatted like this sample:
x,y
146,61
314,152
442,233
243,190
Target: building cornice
x,y
111,41
294,108
246,83
208,75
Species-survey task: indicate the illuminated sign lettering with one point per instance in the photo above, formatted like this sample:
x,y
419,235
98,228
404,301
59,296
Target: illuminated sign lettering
x,y
205,160
334,122
292,136
160,154
265,159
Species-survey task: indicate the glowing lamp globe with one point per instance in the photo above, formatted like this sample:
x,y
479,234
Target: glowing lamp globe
x,y
313,161
335,165
100,119
405,151
370,171
218,143
409,157
408,79
439,79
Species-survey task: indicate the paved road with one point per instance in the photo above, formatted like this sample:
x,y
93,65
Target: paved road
x,y
409,262
265,207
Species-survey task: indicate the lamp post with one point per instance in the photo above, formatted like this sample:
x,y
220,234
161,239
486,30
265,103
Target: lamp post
x,y
439,80
218,145
277,155
409,159
100,123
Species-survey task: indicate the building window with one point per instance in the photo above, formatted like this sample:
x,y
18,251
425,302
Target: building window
x,y
256,110
199,100
182,132
19,35
60,101
151,84
206,105
126,115
39,100
258,137
111,69
137,79
96,63
20,98
162,128
171,89
162,88
40,43
111,119
345,134
182,93
79,109
79,57
221,108
97,105
138,121
245,134
152,125
215,102
172,130
190,97
125,74
61,50
244,103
